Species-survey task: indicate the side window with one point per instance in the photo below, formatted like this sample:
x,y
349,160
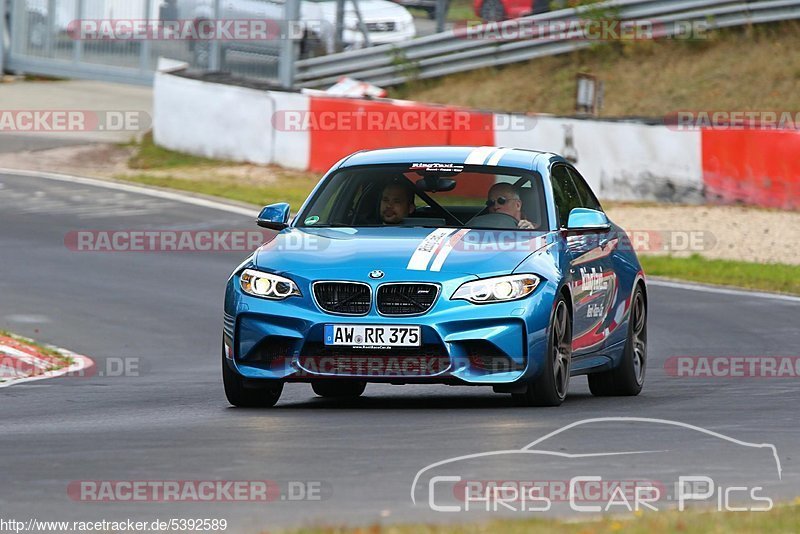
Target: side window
x,y
566,196
588,200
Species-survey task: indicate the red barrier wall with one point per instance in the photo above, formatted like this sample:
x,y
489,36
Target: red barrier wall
x,y
756,167
329,144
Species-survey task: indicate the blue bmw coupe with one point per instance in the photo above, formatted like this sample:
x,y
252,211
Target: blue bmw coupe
x,y
452,265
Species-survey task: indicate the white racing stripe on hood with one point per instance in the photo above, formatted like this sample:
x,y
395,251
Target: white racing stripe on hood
x,y
479,155
427,248
447,249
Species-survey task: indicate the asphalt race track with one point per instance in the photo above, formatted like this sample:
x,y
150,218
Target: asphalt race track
x,y
172,422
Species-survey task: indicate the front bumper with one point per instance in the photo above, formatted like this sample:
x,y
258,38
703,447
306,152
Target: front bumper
x,y
490,344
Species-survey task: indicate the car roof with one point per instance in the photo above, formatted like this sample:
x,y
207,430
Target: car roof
x,y
459,155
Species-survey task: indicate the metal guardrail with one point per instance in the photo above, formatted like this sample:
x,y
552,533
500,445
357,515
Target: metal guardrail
x,y
452,51
39,40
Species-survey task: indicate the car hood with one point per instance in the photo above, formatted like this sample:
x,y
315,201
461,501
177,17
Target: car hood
x,y
348,252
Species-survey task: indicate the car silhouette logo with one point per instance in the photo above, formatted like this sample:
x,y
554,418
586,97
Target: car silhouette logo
x,y
376,274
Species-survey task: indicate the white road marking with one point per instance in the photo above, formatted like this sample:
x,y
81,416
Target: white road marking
x,y
720,290
24,357
168,195
27,318
79,366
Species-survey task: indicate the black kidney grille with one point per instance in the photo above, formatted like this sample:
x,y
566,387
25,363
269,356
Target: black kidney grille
x,y
406,299
343,297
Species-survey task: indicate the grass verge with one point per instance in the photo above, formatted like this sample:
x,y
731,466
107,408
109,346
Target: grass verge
x,y
231,189
157,166
642,78
458,11
780,519
773,277
149,155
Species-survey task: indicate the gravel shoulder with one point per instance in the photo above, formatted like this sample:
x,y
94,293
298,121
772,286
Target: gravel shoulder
x,y
715,232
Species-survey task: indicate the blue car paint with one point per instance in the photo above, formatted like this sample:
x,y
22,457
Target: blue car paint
x,y
519,329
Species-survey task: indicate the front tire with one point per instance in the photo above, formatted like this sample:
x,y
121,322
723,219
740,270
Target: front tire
x,y
627,379
342,389
263,395
550,389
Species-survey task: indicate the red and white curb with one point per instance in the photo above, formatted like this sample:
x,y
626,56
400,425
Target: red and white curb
x,y
22,362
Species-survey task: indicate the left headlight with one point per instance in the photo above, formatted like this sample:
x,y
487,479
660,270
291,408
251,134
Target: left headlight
x,y
500,289
268,286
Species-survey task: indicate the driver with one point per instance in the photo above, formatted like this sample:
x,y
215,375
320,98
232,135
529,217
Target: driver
x,y
397,203
504,198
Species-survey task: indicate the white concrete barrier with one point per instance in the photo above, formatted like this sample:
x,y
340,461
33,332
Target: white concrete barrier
x,y
290,148
620,160
212,120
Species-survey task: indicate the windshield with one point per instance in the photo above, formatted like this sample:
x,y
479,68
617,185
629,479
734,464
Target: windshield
x,y
428,195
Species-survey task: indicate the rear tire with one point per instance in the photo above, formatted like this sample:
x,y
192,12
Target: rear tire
x,y
627,379
348,389
264,395
550,389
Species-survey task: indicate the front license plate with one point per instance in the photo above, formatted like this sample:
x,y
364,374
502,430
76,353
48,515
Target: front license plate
x,y
372,336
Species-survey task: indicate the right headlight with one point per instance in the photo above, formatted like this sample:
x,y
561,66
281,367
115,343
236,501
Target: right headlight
x,y
499,289
267,285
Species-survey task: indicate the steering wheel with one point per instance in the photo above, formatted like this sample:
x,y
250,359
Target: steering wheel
x,y
494,220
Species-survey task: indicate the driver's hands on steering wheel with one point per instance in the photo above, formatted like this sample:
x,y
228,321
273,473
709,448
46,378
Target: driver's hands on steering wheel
x,y
526,225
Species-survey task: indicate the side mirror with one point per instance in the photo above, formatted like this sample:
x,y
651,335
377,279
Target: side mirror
x,y
586,219
274,216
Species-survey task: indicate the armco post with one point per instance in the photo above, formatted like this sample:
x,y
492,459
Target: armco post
x,y
288,45
3,33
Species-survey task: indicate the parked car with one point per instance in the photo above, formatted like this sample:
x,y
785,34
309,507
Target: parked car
x,y
60,26
385,22
495,10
